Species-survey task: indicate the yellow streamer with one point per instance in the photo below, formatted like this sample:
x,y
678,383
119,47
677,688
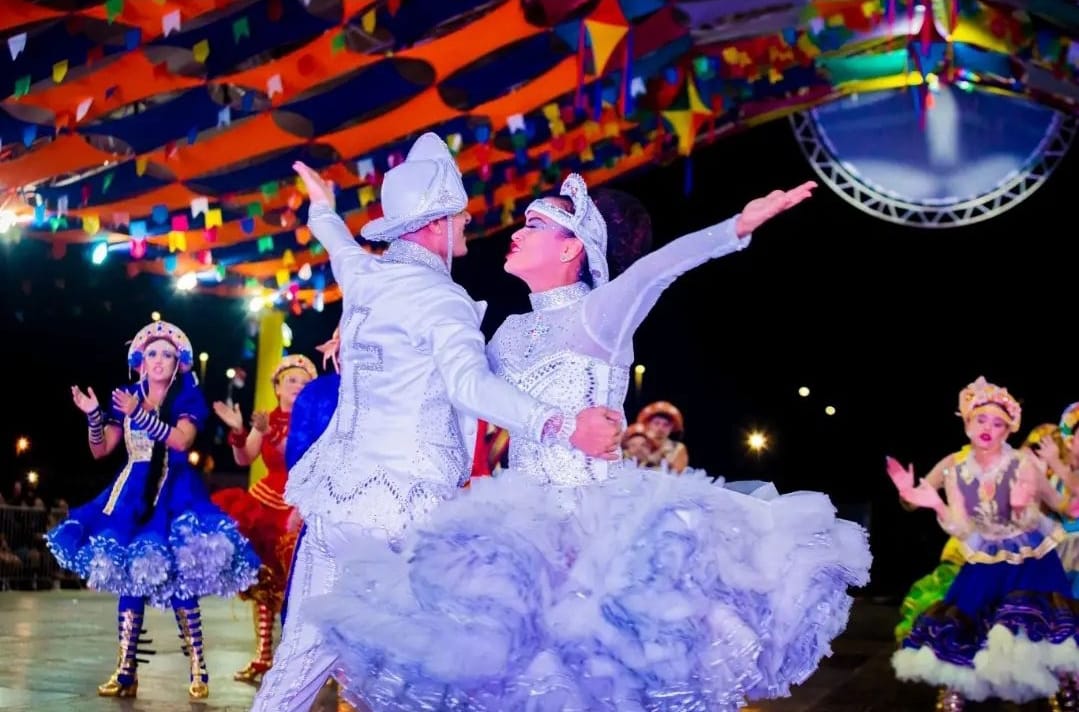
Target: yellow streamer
x,y
270,348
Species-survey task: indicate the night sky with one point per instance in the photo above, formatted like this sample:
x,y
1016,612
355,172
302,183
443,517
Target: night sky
x,y
884,323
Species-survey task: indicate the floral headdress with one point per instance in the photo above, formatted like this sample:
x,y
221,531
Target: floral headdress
x,y
982,394
162,330
295,361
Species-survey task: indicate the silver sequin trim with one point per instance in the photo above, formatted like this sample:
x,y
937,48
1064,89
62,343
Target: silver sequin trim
x,y
559,296
408,252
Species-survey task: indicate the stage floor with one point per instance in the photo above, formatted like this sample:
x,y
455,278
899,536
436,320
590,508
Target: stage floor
x,y
57,646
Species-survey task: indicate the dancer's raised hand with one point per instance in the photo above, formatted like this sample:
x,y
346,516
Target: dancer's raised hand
x,y
924,496
229,415
902,477
759,211
260,421
330,349
125,402
318,190
86,402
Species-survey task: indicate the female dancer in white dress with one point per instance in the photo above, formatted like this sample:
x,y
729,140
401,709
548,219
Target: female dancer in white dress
x,y
574,583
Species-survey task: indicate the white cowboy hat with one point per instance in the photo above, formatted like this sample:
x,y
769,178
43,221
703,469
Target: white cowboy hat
x,y
425,187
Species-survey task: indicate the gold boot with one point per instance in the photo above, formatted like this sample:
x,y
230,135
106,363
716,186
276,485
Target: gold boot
x,y
124,682
190,620
263,660
113,687
949,701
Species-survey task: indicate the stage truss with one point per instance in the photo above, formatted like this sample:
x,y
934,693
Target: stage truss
x,y
1006,195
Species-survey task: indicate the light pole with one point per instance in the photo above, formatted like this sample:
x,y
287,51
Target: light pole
x,y
237,377
638,378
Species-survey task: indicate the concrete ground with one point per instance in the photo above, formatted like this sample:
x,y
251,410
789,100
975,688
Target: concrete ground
x,y
57,646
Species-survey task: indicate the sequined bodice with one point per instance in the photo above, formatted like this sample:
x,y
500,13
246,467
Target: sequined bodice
x,y
549,354
140,448
987,495
273,455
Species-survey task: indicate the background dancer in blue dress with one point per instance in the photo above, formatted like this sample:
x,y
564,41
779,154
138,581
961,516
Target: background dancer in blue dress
x,y
153,535
314,407
1007,625
311,414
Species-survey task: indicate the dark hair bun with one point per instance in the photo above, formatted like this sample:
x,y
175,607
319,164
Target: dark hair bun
x,y
629,228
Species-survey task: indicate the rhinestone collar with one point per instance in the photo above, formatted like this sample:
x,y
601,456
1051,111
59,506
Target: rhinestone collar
x,y
559,296
408,252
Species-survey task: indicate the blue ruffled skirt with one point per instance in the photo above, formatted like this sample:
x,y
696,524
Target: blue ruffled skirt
x,y
645,592
184,547
1004,630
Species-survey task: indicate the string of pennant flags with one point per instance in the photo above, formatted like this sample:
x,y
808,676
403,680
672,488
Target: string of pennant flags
x,y
162,132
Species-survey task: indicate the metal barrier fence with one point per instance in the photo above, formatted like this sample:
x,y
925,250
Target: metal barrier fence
x,y
25,561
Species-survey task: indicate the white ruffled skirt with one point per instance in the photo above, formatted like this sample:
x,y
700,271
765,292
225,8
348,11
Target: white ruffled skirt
x,y
644,592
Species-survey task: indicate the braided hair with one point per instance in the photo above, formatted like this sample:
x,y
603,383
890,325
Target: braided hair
x,y
159,454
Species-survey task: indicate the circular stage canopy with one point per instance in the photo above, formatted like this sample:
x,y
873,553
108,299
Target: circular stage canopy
x,y
967,158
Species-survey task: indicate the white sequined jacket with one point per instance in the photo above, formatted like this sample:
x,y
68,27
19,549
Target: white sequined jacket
x,y
414,378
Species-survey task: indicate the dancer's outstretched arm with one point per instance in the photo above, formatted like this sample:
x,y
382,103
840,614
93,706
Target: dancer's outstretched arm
x,y
615,310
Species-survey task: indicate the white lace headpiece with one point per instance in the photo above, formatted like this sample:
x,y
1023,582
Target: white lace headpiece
x,y
586,224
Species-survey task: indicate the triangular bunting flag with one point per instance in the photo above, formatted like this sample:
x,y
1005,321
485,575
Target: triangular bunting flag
x,y
682,123
609,11
696,106
605,38
91,224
